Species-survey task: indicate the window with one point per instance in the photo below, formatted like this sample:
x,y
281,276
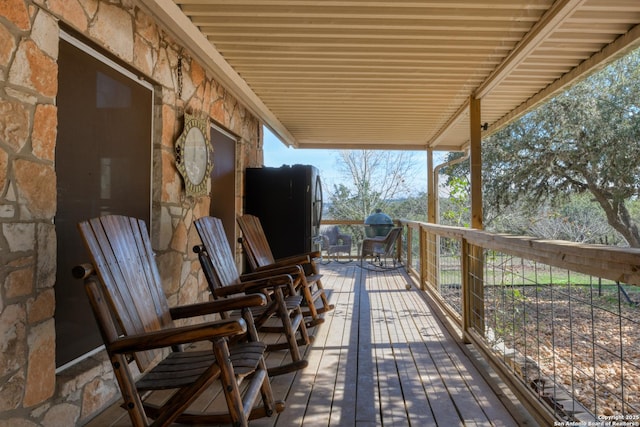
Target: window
x,y
103,165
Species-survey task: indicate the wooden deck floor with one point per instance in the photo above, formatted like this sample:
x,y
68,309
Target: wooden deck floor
x,y
381,358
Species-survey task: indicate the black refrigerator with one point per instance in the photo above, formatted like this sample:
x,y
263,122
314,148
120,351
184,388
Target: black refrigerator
x,y
288,201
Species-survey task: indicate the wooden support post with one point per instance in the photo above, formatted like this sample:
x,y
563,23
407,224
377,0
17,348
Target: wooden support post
x,y
475,134
474,308
432,192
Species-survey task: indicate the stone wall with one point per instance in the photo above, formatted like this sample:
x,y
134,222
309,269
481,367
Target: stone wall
x,y
30,391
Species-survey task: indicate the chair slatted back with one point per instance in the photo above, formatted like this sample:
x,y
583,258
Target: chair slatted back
x,y
390,240
255,242
211,232
121,254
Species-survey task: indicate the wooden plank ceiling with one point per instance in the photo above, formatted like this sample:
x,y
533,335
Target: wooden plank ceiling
x,y
399,74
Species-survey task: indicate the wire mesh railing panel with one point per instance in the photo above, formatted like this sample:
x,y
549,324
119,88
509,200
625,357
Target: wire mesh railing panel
x,y
573,339
413,248
450,273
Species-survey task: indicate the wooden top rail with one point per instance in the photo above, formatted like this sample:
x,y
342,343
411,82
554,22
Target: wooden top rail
x,y
609,262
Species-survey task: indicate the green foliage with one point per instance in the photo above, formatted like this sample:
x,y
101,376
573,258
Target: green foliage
x,y
455,209
412,207
585,140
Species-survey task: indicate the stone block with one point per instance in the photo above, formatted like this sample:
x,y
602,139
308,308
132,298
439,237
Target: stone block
x,y
13,341
63,414
73,12
11,392
20,236
41,307
14,124
41,377
45,33
169,265
143,56
147,30
4,161
16,12
36,184
113,29
19,283
162,72
35,70
171,181
179,239
96,395
46,247
43,136
7,45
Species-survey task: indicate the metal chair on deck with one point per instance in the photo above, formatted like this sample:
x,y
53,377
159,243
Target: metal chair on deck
x,y
335,243
380,249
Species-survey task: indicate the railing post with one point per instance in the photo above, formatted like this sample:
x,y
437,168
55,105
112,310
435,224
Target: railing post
x,y
423,258
409,249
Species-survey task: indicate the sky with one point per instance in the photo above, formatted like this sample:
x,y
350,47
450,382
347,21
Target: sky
x,y
277,154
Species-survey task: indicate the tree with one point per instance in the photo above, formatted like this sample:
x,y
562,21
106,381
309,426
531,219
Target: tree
x,y
372,179
454,210
586,140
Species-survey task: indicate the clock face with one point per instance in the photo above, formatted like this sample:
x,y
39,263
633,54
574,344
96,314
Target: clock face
x,y
193,155
196,155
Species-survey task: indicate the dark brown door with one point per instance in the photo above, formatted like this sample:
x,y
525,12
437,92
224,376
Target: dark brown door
x,y
223,181
103,165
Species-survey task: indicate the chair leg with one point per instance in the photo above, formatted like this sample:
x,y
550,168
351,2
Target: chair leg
x,y
266,392
289,332
306,292
291,324
229,384
325,302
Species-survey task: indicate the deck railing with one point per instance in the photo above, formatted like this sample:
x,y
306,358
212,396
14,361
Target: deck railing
x,y
559,320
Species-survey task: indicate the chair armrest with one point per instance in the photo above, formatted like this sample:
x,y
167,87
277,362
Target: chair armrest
x,y
296,259
257,285
271,282
285,262
176,336
267,272
305,258
217,306
369,244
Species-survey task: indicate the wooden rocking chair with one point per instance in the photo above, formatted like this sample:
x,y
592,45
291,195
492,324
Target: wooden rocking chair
x,y
124,289
261,258
220,269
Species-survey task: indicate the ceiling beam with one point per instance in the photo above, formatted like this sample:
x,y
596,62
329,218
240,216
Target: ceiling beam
x,y
549,22
461,113
176,23
620,47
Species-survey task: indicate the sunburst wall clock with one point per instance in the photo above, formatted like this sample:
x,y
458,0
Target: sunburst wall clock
x,y
193,155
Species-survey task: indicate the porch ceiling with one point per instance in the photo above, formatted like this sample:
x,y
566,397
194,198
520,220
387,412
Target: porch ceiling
x,y
396,74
